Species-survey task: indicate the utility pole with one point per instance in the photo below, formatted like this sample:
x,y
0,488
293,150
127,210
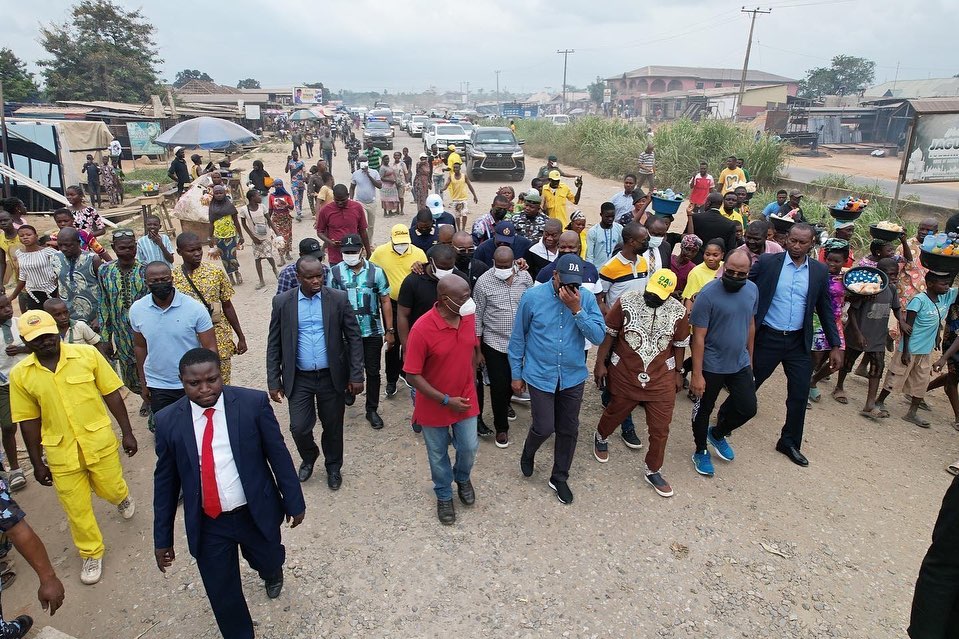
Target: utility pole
x,y
7,156
499,109
749,45
565,53
467,93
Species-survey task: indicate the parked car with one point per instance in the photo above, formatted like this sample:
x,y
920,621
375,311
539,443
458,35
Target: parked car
x,y
557,120
416,125
442,134
398,117
494,151
379,131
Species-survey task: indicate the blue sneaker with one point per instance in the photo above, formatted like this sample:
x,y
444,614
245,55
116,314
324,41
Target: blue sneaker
x,y
722,447
703,463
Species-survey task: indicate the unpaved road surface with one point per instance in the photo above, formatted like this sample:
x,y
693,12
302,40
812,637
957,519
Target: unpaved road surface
x,y
763,549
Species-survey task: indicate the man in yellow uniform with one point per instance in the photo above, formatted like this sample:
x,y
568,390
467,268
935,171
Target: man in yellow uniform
x,y
556,194
57,393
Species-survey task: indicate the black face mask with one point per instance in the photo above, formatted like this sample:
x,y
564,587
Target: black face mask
x,y
733,284
161,290
463,260
652,300
642,248
499,214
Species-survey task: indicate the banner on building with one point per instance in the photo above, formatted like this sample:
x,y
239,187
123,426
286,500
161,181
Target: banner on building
x,y
306,95
933,153
142,135
251,111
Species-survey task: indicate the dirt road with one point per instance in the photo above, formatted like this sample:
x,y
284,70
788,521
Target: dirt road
x,y
764,549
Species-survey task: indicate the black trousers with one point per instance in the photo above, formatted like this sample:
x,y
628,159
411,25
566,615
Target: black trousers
x,y
394,357
314,394
500,390
558,413
219,565
775,348
372,348
738,408
160,398
935,604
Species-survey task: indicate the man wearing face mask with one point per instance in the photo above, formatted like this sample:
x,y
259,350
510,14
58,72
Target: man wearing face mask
x,y
462,243
546,356
440,216
724,326
485,227
659,251
497,294
646,337
166,324
341,217
369,294
544,252
627,270
418,291
423,231
504,234
396,258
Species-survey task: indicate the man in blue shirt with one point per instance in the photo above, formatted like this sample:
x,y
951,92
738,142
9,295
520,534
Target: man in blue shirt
x,y
773,207
369,293
623,200
166,324
546,348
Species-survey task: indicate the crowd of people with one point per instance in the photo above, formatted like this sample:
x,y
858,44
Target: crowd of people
x,y
455,307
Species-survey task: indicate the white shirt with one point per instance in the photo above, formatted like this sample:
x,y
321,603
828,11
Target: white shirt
x,y
227,477
115,148
6,361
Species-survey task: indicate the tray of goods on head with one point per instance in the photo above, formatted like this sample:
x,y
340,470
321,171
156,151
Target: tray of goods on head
x,y
782,224
940,252
887,231
666,202
848,209
865,281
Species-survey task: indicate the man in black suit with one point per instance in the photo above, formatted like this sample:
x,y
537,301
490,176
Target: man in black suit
x,y
223,447
791,287
314,354
935,603
711,224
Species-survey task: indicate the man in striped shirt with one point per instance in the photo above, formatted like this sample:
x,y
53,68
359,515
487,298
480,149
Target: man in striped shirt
x,y
647,168
373,155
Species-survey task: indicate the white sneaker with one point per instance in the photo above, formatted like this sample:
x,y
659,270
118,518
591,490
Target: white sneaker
x,y
127,507
521,398
92,571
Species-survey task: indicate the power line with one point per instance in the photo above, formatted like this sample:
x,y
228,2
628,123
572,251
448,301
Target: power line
x,y
749,45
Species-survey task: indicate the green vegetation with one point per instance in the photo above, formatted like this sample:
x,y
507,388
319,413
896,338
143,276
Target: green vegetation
x,y
848,183
610,148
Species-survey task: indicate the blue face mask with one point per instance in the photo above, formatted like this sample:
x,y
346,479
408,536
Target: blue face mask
x,y
655,242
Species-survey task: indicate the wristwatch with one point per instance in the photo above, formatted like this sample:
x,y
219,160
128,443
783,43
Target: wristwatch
x,y
391,330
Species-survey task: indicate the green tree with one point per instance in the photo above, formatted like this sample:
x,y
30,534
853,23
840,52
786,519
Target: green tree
x,y
104,52
249,83
846,74
596,90
187,75
18,83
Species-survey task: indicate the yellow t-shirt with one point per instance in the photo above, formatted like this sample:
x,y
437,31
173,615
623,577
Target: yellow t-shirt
x,y
735,216
699,277
554,204
731,178
323,197
10,248
396,266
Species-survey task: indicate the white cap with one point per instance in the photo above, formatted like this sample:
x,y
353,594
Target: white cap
x,y
177,149
435,204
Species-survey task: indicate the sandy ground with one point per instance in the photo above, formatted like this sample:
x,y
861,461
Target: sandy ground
x,y
764,549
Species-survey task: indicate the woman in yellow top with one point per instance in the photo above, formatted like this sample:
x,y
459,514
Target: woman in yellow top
x,y
577,222
225,233
706,272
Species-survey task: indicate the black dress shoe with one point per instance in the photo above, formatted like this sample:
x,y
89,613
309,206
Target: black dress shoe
x,y
526,464
349,399
466,493
445,512
274,585
306,471
334,480
793,454
390,389
482,429
374,419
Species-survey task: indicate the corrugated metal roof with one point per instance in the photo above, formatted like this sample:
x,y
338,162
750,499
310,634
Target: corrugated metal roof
x,y
702,73
712,92
936,105
931,88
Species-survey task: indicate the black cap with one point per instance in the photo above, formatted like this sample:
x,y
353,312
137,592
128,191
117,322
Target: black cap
x,y
351,244
311,246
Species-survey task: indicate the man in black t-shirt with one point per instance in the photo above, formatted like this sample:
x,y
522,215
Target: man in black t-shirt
x,y
711,224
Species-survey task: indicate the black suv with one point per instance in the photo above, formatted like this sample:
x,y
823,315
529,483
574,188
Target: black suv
x,y
492,151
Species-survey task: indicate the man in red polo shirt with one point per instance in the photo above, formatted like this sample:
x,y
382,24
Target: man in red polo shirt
x,y
441,356
340,218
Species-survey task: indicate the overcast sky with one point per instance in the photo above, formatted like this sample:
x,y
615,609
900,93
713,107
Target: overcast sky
x,y
403,45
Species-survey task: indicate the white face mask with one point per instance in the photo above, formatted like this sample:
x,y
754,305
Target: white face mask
x,y
401,248
441,273
351,259
503,273
655,242
468,308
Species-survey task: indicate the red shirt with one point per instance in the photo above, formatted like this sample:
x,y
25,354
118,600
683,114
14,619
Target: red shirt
x,y
701,186
336,223
443,355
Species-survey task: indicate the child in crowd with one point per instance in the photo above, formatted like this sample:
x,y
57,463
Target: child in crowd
x,y
949,381
706,272
911,364
37,277
88,241
837,252
683,263
879,249
866,331
73,331
260,228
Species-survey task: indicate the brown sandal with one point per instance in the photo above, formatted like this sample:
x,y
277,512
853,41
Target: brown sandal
x,y
840,396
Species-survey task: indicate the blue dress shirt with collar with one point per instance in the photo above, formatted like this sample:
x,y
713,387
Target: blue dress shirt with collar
x,y
787,309
311,341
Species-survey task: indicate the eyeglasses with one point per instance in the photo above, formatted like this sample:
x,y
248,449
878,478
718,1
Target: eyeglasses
x,y
736,275
124,233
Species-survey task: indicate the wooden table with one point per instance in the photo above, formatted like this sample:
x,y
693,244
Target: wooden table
x,y
147,203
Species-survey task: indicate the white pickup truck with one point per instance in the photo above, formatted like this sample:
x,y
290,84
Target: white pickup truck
x,y
442,134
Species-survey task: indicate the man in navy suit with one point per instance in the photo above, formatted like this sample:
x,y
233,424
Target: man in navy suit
x,y
791,287
223,446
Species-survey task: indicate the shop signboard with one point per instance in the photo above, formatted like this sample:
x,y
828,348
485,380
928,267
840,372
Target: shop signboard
x,y
142,135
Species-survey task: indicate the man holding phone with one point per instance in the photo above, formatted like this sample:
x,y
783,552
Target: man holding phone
x,y
546,348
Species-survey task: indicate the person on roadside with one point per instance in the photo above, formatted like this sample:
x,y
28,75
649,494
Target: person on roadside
x,y
374,156
731,176
533,221
77,281
314,358
497,294
368,292
206,284
441,217
396,258
442,354
646,337
622,201
60,395
438,166
345,216
178,171
711,224
287,280
297,139
225,234
297,170
646,168
421,180
258,178
773,207
308,142
701,185
13,352
327,146
555,194
281,214
363,185
724,330
85,218
545,352
238,496
260,228
389,193
403,177
92,172
552,164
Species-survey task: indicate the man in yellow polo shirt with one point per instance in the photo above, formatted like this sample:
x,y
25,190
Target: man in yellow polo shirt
x,y
555,196
57,393
396,258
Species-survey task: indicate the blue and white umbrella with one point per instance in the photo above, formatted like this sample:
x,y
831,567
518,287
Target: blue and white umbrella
x,y
205,133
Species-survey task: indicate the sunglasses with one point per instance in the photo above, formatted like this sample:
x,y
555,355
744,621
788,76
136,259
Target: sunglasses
x,y
124,233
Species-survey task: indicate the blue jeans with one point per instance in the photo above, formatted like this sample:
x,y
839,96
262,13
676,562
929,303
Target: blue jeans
x,y
463,436
627,425
438,182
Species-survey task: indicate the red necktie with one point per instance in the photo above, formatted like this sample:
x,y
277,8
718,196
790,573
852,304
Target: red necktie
x,y
211,496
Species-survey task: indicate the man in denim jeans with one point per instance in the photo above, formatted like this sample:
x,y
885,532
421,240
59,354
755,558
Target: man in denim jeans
x,y
440,360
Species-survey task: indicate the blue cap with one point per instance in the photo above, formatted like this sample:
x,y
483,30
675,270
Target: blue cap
x,y
505,232
570,269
